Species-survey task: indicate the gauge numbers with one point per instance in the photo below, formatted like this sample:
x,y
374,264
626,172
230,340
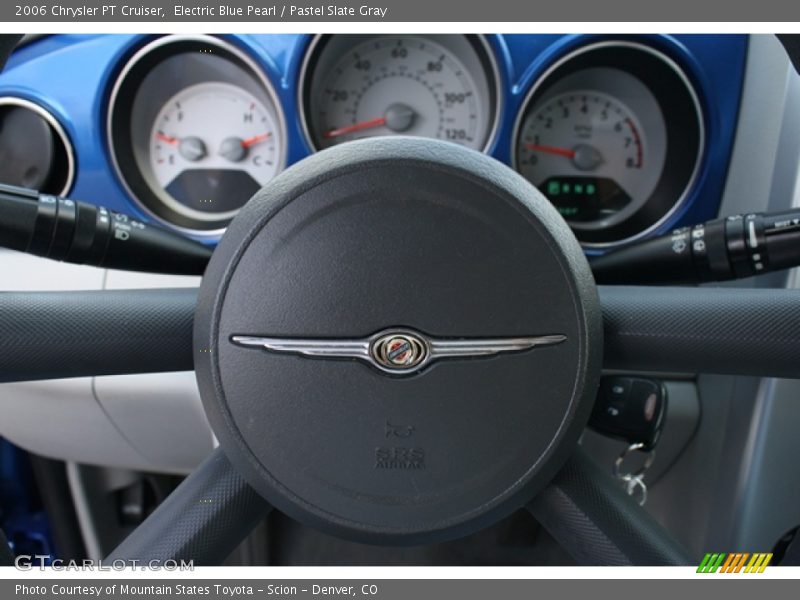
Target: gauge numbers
x,y
588,152
612,134
400,85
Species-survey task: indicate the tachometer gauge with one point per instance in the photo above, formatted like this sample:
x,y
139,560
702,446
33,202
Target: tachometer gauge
x,y
210,163
195,129
591,156
612,134
439,87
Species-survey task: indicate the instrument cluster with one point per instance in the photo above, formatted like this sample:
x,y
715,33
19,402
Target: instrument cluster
x,y
195,130
612,132
356,86
613,135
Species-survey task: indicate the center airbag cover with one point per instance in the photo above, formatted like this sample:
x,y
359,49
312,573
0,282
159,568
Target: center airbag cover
x,y
411,247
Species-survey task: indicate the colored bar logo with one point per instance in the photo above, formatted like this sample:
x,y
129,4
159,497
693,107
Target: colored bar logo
x,y
735,562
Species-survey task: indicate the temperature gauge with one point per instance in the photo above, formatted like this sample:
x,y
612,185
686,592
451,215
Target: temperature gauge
x,y
195,128
212,146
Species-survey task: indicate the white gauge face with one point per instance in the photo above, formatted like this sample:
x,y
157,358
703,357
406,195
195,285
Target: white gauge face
x,y
591,155
595,144
400,85
212,146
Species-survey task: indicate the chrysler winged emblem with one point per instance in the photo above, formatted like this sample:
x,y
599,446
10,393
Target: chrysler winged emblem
x,y
397,351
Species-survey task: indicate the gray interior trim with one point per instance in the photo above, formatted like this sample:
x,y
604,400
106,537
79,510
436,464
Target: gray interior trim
x,y
83,510
742,495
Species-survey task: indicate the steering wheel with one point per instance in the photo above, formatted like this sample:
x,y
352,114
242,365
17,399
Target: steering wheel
x,y
399,341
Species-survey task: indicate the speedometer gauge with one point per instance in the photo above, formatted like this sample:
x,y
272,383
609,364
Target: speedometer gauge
x,y
612,134
438,87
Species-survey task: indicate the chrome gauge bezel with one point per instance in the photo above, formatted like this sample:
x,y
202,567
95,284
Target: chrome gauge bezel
x,y
479,43
155,203
60,132
554,73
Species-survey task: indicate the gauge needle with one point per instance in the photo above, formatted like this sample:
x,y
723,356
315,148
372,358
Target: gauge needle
x,y
551,150
255,140
165,138
355,127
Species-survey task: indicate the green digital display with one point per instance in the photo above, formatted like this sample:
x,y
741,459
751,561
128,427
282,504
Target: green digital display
x,y
557,188
585,198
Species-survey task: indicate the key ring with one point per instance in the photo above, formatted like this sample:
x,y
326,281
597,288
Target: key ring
x,y
635,483
635,480
648,461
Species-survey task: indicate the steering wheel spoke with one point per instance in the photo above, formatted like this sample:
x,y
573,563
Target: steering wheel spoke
x,y
737,331
369,346
52,335
594,520
203,520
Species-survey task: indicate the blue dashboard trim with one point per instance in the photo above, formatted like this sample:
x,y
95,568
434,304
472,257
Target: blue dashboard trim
x,y
72,76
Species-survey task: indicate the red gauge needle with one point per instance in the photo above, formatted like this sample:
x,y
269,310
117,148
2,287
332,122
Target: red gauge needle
x,y
551,150
355,127
255,140
165,138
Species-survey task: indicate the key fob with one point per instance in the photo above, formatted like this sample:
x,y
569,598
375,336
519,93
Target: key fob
x,y
630,409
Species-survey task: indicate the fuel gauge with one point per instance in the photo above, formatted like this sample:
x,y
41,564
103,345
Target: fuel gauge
x,y
212,146
195,128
